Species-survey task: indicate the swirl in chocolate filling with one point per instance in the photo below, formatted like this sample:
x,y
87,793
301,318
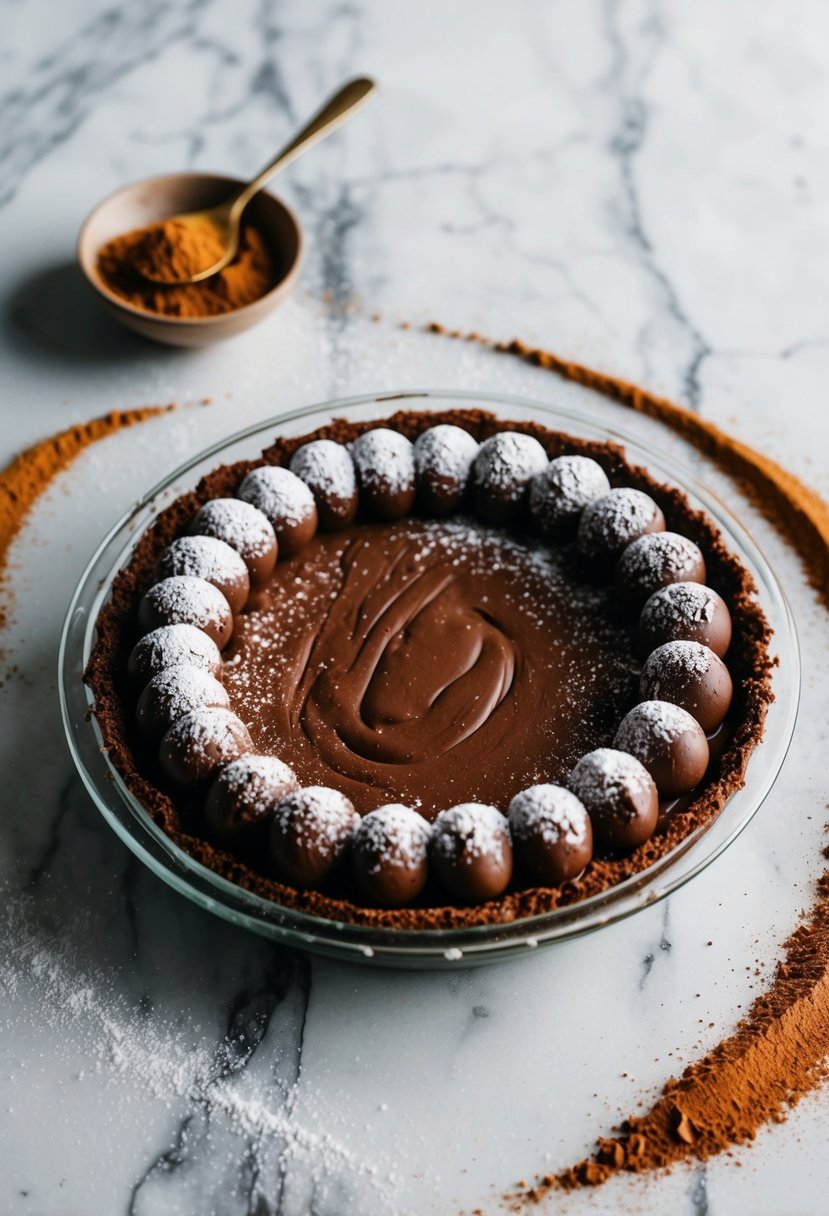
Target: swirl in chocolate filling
x,y
429,663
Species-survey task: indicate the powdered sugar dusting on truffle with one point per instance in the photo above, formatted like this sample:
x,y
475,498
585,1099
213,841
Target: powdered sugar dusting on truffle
x,y
690,659
278,493
184,599
326,468
384,457
170,645
180,689
203,557
482,829
659,555
508,460
394,834
317,813
257,777
653,721
239,524
208,733
617,517
690,602
566,486
554,812
446,451
608,774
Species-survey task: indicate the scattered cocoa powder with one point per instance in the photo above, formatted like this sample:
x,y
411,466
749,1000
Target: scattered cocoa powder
x,y
780,1049
31,472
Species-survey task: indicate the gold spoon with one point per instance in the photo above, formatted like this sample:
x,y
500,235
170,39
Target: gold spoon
x,y
227,217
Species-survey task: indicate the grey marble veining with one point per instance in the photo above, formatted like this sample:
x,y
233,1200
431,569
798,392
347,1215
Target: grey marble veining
x,y
639,185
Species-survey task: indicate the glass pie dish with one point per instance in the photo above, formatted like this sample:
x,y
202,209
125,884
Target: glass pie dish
x,y
422,948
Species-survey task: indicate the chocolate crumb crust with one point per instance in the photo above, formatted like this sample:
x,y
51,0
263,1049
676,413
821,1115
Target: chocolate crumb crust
x,y
180,818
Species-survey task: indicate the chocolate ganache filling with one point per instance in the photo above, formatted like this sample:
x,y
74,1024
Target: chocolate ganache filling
x,y
430,663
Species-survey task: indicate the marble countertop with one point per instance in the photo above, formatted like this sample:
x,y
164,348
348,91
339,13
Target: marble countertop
x,y
641,186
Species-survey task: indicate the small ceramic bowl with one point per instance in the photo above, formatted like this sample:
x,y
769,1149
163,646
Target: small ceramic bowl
x,y
157,198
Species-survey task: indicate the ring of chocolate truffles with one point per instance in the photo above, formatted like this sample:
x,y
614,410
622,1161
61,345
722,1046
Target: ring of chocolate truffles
x,y
610,523
211,559
310,832
559,493
690,675
619,795
385,464
173,692
328,471
243,527
243,797
389,854
286,502
443,456
656,560
686,612
612,799
471,851
501,474
551,833
668,742
173,646
184,600
200,742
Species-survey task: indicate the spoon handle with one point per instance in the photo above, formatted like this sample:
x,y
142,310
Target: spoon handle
x,y
335,111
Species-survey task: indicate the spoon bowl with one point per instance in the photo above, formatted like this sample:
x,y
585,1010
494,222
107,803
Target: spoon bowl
x,y
160,198
226,218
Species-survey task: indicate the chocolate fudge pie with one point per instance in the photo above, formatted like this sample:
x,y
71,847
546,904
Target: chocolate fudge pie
x,y
431,671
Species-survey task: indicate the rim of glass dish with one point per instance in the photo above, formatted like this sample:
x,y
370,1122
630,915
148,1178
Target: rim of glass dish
x,y
419,947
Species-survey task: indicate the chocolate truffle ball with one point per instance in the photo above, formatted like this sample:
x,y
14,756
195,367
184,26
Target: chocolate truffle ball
x,y
244,796
210,559
686,612
655,561
551,833
287,503
183,600
690,675
443,459
559,494
501,474
200,742
620,797
616,519
244,528
310,833
173,693
328,471
389,855
385,465
669,742
170,646
471,851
